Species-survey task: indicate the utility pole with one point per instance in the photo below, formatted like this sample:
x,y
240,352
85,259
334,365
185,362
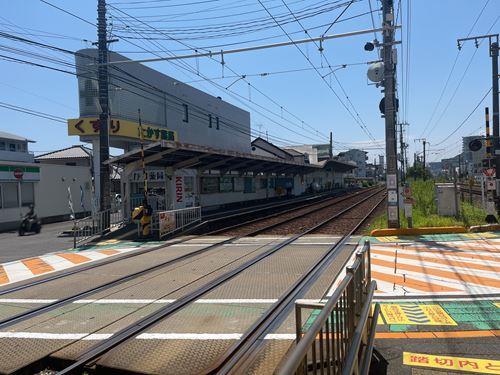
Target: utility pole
x,y
331,146
493,50
424,144
402,157
102,77
389,83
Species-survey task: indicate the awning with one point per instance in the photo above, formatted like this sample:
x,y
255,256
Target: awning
x,y
183,155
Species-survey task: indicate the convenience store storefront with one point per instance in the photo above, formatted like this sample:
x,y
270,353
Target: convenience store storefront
x,y
17,190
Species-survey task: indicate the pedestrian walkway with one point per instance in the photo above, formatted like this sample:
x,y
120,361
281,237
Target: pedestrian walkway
x,y
24,269
440,302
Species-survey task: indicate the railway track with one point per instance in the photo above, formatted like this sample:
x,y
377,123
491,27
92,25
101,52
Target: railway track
x,y
215,218
10,320
88,357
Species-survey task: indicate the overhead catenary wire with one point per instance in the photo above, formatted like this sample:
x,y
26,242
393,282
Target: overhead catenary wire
x,y
262,93
317,71
136,45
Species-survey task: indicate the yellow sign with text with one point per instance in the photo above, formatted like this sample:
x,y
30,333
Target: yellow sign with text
x,y
442,362
416,314
122,128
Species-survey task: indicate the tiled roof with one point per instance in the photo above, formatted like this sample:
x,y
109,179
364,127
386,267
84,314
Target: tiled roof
x,y
73,152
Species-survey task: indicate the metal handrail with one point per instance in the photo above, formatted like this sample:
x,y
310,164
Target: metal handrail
x,y
339,327
365,366
351,364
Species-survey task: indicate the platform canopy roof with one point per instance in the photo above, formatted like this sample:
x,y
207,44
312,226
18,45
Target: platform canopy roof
x,y
183,155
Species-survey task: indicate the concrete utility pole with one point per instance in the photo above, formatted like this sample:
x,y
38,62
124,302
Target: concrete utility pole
x,y
102,77
424,144
493,49
331,145
389,83
402,157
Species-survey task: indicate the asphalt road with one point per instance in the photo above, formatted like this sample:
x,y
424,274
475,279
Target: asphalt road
x,y
14,247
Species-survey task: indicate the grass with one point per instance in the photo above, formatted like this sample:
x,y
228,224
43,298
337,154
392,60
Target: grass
x,y
425,211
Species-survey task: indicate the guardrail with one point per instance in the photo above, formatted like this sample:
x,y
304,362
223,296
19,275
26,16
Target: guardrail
x,y
168,222
95,225
340,340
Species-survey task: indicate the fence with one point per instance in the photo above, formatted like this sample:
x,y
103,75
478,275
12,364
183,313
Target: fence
x,y
168,222
96,224
340,339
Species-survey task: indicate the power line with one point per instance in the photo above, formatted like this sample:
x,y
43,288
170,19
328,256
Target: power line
x,y
250,85
32,112
317,71
465,120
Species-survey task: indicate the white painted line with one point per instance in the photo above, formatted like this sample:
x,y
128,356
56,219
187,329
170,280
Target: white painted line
x,y
144,301
42,336
418,298
21,300
17,271
189,336
142,336
57,262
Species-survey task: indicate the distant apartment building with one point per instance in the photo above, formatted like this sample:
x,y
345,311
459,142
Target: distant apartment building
x,y
314,154
359,157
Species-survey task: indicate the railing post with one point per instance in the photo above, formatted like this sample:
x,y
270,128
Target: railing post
x,y
298,322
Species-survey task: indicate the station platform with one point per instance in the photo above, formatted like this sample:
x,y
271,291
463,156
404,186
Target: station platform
x,y
440,302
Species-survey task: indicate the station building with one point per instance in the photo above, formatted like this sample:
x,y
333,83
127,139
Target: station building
x,y
198,147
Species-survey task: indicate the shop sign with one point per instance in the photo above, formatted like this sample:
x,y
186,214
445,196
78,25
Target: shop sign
x,y
86,126
179,189
16,173
152,175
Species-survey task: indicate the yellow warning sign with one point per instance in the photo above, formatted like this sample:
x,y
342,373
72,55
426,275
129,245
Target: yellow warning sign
x,y
442,362
422,314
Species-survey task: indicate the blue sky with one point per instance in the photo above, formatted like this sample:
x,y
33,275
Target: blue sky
x,y
304,96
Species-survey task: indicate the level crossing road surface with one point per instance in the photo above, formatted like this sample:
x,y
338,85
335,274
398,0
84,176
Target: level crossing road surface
x,y
14,247
204,329
440,302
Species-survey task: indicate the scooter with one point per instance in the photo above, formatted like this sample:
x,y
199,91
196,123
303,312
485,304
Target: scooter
x,y
30,225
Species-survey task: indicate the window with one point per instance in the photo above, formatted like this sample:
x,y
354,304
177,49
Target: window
x,y
209,121
217,123
2,145
10,198
27,193
12,147
71,164
186,113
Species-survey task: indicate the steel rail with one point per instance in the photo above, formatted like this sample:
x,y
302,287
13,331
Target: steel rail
x,y
300,215
9,321
271,215
93,265
239,354
130,331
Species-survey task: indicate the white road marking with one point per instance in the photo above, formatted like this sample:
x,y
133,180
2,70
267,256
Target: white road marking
x,y
142,336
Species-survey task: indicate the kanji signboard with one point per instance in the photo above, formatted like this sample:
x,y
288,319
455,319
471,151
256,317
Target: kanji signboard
x,y
86,126
443,362
421,314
